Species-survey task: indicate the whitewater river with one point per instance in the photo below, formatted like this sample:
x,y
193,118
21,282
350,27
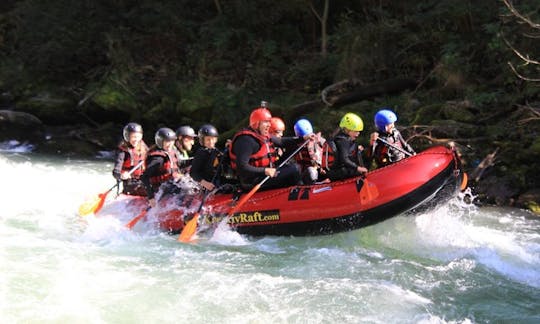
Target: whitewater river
x,y
456,264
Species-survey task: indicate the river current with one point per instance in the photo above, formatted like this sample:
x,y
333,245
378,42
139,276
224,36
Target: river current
x,y
457,263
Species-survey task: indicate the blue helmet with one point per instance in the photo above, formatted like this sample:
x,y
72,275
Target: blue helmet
x,y
303,127
384,117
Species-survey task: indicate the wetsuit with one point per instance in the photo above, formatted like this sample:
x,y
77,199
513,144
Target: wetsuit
x,y
346,158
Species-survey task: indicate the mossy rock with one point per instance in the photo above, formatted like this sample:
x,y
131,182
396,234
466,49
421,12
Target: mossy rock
x,y
50,108
530,200
110,97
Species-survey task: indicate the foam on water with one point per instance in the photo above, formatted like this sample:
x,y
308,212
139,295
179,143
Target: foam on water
x,y
448,265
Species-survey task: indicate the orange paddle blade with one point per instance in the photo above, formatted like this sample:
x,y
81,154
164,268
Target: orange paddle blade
x,y
189,229
368,192
136,219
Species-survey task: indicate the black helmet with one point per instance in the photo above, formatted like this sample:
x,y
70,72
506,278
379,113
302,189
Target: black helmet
x,y
164,134
207,130
185,131
131,128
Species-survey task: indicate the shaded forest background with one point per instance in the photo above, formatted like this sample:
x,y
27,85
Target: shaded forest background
x,y
454,71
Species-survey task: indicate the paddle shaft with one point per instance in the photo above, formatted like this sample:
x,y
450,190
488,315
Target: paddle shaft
x,y
393,146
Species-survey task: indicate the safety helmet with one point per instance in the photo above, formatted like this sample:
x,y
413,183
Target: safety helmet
x,y
207,130
352,122
131,128
303,127
185,131
276,125
259,114
384,117
164,134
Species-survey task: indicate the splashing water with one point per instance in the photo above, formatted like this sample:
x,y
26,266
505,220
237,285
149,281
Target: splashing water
x,y
456,263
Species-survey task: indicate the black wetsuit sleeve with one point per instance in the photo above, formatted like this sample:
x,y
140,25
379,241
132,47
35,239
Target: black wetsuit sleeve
x,y
244,146
343,148
199,165
117,170
153,166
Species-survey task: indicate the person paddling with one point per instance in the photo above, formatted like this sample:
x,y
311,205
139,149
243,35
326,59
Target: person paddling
x,y
206,161
253,155
379,151
310,157
161,165
347,156
130,152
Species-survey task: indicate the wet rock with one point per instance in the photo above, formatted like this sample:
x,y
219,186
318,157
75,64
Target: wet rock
x,y
530,200
494,190
19,125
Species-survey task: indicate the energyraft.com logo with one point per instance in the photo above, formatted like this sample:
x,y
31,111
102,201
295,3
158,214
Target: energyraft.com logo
x,y
247,218
255,217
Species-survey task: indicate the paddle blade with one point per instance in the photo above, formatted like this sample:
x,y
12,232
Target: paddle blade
x,y
91,205
189,229
136,219
368,192
102,198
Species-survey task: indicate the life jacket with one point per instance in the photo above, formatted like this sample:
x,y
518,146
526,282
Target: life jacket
x,y
227,172
265,157
328,154
385,155
167,170
133,158
312,153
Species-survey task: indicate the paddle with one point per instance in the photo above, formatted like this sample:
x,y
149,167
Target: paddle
x,y
187,237
191,227
94,204
394,147
135,219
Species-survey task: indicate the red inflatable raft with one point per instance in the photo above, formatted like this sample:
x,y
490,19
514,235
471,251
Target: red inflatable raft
x,y
420,181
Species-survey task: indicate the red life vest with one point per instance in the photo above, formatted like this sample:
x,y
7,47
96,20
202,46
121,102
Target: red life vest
x,y
265,157
328,154
133,158
312,153
167,170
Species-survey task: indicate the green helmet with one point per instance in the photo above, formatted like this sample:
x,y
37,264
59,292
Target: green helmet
x,y
352,122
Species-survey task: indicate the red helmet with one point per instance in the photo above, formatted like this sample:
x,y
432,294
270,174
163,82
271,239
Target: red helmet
x,y
276,125
258,115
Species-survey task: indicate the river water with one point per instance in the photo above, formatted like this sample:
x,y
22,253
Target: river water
x,y
455,264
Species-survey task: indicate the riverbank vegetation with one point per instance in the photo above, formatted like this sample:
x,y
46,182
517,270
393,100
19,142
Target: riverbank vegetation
x,y
461,71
